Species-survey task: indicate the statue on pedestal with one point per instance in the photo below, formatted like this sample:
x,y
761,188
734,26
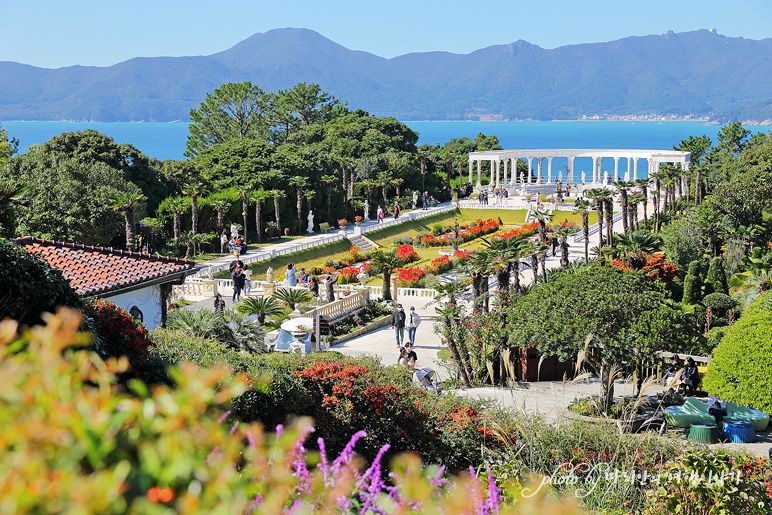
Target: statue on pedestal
x,y
269,275
415,199
310,229
584,177
367,210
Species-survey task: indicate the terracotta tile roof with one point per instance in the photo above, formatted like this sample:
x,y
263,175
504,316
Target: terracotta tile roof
x,y
95,270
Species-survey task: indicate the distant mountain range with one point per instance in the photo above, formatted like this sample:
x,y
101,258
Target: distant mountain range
x,y
699,74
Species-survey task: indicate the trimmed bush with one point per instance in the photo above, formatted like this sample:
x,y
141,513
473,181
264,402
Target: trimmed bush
x,y
29,287
741,370
720,304
692,284
715,281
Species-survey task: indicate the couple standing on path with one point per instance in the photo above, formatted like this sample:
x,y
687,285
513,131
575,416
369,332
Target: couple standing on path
x,y
400,320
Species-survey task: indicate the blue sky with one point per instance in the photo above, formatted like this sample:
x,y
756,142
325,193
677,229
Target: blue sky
x,y
55,33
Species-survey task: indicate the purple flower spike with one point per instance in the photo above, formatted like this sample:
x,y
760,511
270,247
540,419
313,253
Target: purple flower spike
x,y
370,494
324,465
257,502
348,452
295,505
224,416
279,430
251,440
493,493
235,426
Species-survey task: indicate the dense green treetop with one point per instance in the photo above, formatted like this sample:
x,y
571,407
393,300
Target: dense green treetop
x,y
626,313
236,162
91,147
697,146
72,202
8,146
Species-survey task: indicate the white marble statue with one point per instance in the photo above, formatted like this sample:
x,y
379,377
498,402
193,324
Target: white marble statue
x,y
310,229
269,275
415,199
367,210
362,276
584,177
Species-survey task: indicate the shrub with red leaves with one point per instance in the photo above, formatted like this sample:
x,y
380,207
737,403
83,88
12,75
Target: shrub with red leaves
x,y
119,333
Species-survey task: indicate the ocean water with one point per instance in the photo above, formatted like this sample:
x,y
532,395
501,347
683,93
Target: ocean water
x,y
167,140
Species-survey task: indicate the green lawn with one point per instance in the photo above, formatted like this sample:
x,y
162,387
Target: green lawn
x,y
560,216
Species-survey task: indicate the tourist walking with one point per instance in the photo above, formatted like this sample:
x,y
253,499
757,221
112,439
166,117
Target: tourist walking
x,y
380,215
396,210
425,200
223,241
329,286
247,281
398,324
238,282
292,279
485,198
413,321
313,286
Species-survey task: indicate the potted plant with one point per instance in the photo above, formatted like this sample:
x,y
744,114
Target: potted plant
x,y
342,223
300,332
357,220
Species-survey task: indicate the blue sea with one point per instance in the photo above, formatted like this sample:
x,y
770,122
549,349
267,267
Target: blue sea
x,y
167,140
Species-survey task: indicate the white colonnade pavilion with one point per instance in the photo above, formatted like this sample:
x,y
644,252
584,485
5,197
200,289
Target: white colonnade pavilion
x,y
504,165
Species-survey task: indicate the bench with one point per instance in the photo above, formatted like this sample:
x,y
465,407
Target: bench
x,y
325,227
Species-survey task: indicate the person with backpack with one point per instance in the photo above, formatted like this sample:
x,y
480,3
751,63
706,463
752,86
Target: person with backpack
x,y
238,278
396,210
413,321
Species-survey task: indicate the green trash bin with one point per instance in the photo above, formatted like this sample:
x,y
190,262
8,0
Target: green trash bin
x,y
703,432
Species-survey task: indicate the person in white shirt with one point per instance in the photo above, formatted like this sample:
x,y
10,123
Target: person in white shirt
x,y
717,408
413,321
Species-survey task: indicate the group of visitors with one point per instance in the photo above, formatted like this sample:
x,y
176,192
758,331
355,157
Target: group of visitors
x,y
234,244
428,201
399,321
241,278
686,384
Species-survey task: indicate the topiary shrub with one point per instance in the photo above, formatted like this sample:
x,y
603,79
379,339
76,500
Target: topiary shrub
x,y
692,284
741,370
720,306
30,287
715,281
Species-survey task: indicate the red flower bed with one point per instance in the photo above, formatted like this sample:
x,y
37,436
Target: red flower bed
x,y
520,232
409,277
407,254
462,254
467,234
440,265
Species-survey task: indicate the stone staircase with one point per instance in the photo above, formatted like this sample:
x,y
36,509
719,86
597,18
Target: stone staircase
x,y
363,243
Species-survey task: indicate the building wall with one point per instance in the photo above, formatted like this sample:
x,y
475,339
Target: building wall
x,y
147,300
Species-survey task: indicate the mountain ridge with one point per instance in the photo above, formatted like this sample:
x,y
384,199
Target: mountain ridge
x,y
691,74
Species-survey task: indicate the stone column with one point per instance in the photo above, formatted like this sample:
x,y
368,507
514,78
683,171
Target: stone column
x,y
493,168
594,170
571,174
513,171
538,170
470,171
479,185
530,169
549,170
498,174
635,168
616,169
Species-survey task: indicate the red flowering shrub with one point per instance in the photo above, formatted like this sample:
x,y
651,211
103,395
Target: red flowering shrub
x,y
462,255
659,268
620,264
440,265
119,334
348,275
407,254
466,234
409,277
357,255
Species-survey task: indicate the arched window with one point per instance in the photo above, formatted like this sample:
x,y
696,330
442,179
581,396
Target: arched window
x,y
136,313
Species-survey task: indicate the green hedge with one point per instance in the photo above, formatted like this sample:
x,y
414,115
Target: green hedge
x,y
741,370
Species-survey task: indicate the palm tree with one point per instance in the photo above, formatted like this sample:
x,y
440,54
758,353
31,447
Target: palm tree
x,y
220,205
258,197
328,180
697,185
127,203
543,217
635,246
299,182
310,195
669,185
194,191
293,296
244,190
397,183
277,196
610,217
502,256
11,198
563,234
449,295
384,181
177,205
422,157
633,200
584,207
644,185
261,306
386,262
622,187
598,195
